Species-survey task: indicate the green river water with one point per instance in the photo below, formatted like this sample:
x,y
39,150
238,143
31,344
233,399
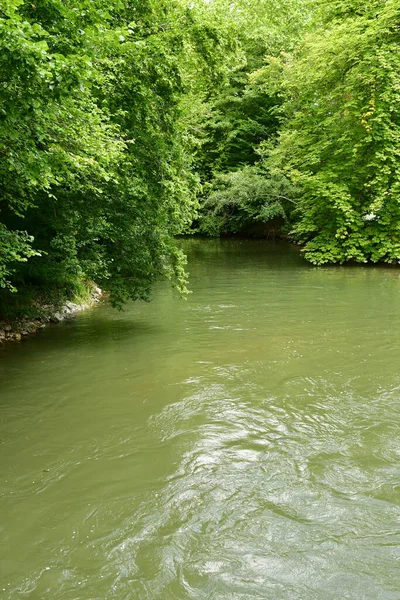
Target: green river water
x,y
241,444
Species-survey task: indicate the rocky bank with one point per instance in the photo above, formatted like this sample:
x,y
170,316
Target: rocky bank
x,y
17,330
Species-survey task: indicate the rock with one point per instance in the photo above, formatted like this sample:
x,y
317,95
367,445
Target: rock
x,y
74,308
57,317
48,314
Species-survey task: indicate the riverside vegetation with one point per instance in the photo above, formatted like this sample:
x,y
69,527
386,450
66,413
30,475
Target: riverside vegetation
x,y
125,123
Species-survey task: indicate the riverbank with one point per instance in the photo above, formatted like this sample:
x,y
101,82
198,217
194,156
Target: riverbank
x,y
18,329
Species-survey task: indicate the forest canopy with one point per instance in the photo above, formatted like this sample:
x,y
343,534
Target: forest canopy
x,y
126,123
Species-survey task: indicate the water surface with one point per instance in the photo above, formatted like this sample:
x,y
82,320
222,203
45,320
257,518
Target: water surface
x,y
241,444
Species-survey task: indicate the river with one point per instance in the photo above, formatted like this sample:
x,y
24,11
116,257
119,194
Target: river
x,y
240,444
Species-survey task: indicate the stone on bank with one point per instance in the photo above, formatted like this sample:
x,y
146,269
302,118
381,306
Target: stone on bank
x,y
16,331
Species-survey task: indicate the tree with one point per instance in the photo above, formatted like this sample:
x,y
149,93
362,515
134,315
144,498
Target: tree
x,y
340,142
95,169
244,113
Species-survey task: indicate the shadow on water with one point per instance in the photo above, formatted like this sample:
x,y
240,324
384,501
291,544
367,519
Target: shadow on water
x,y
80,328
100,328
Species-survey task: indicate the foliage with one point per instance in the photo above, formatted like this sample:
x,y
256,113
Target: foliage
x,y
243,197
340,142
15,247
95,168
244,113
334,101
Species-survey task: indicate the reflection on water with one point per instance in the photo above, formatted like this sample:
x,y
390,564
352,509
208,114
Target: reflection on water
x,y
240,444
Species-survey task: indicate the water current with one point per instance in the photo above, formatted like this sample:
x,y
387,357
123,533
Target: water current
x,y
240,444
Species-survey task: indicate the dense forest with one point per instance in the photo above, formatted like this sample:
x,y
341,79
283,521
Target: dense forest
x,y
129,122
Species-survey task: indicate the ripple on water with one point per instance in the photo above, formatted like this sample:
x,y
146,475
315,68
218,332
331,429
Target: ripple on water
x,y
265,498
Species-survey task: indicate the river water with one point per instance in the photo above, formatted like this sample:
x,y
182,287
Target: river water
x,y
241,444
